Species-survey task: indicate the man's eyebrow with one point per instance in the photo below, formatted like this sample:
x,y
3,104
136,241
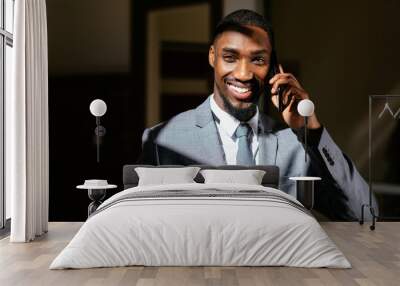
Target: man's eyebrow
x,y
260,52
230,50
234,51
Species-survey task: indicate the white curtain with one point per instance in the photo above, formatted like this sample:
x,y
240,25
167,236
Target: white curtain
x,y
27,124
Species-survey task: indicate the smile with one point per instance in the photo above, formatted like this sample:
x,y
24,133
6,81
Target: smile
x,y
238,88
240,92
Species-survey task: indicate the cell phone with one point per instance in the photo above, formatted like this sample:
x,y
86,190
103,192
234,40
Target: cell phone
x,y
273,71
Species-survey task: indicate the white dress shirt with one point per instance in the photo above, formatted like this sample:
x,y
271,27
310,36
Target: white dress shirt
x,y
227,125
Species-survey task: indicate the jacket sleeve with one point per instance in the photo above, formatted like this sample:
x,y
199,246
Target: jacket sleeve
x,y
342,191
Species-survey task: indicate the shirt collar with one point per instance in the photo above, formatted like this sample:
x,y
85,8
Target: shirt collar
x,y
228,123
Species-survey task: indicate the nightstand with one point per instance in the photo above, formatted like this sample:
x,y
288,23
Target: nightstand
x,y
96,192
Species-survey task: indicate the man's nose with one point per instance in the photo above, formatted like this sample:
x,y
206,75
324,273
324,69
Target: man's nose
x,y
243,71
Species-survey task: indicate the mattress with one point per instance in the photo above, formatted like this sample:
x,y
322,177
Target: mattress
x,y
201,225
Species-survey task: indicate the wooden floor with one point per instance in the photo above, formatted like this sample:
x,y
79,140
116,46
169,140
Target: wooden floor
x,y
374,255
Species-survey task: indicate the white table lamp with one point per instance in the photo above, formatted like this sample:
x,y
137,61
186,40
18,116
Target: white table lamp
x,y
305,108
98,108
305,184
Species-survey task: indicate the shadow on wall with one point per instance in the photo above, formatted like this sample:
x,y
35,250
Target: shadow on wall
x,y
385,152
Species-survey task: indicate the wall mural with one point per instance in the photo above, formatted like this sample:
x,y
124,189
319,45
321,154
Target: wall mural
x,y
384,142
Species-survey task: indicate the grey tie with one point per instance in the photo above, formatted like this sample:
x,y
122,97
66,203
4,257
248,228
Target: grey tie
x,y
244,155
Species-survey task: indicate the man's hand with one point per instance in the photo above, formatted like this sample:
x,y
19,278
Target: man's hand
x,y
292,95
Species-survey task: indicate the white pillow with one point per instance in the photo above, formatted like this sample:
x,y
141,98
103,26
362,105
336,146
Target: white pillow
x,y
163,176
248,177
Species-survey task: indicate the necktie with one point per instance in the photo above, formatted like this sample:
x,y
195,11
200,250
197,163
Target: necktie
x,y
244,155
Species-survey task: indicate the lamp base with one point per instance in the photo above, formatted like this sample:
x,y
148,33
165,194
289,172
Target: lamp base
x,y
305,190
97,196
373,215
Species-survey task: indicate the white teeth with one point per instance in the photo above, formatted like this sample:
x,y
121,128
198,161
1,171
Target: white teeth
x,y
239,89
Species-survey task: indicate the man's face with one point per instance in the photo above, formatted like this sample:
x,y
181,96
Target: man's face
x,y
241,64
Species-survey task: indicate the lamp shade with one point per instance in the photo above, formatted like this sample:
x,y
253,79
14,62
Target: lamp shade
x,y
98,107
305,107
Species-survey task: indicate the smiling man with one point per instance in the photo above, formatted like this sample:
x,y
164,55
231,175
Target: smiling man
x,y
229,129
240,61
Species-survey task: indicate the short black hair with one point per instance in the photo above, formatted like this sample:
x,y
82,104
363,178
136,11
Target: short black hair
x,y
237,20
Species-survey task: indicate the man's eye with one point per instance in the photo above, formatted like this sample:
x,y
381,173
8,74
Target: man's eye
x,y
259,60
229,58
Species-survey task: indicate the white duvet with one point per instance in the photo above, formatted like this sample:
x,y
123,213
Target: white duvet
x,y
183,231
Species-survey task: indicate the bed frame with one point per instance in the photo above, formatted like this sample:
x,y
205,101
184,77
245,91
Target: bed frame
x,y
271,178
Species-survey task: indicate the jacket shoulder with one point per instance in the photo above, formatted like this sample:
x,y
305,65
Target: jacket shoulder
x,y
184,119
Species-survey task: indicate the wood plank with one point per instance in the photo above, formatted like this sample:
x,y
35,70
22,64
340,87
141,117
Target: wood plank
x,y
374,255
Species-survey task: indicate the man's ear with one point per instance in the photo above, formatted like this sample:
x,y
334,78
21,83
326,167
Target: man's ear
x,y
211,55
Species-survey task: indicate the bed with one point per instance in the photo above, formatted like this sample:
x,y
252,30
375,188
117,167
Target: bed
x,y
201,224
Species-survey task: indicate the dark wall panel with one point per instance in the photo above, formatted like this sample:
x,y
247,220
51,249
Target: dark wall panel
x,y
73,142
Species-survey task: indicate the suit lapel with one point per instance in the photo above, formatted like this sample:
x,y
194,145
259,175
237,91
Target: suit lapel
x,y
207,136
210,145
